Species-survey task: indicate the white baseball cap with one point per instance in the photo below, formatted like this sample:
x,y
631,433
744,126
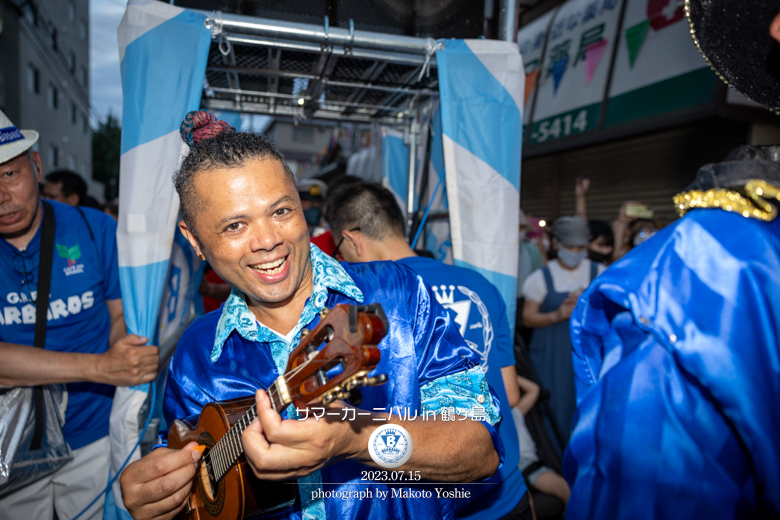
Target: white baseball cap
x,y
13,141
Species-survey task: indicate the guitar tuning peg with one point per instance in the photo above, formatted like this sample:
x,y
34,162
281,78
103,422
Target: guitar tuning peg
x,y
355,397
304,333
376,380
324,312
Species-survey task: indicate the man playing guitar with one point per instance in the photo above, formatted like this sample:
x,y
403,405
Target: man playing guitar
x,y
242,213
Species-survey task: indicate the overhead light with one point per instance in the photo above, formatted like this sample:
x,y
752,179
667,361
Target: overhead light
x,y
542,223
301,101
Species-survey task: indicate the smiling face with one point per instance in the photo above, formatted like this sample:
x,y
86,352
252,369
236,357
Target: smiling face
x,y
251,229
19,203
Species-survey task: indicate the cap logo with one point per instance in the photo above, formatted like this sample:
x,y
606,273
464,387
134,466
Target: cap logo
x,y
10,134
315,191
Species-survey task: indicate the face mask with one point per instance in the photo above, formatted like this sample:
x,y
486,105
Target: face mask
x,y
570,258
599,257
312,215
522,234
642,236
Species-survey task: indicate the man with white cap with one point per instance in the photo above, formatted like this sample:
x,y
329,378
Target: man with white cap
x,y
86,346
550,297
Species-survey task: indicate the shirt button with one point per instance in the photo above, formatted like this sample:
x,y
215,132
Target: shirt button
x,y
481,399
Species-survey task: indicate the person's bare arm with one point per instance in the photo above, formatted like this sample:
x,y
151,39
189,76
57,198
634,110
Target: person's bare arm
x,y
530,394
276,449
126,363
118,327
534,319
580,192
509,375
620,232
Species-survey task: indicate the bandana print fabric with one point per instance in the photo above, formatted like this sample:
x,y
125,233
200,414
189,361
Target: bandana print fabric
x,y
326,273
462,391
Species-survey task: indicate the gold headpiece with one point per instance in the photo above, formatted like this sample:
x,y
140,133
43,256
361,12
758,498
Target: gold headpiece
x,y
750,202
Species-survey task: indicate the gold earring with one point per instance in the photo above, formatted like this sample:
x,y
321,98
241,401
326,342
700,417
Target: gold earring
x,y
201,256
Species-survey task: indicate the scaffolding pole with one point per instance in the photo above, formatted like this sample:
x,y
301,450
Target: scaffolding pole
x,y
323,35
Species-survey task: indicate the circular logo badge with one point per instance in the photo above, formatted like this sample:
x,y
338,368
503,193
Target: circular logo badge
x,y
390,446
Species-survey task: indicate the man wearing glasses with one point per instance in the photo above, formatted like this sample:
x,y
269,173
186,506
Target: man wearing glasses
x,y
87,345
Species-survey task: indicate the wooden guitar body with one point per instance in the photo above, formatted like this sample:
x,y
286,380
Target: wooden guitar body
x,y
239,494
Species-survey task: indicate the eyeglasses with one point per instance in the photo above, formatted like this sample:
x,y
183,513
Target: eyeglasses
x,y
28,278
336,251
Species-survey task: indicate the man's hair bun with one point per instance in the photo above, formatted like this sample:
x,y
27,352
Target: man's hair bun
x,y
200,124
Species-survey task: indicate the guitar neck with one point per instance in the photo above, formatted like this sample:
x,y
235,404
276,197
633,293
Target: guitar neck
x,y
229,448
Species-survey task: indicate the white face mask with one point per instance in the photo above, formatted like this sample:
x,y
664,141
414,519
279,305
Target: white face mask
x,y
570,258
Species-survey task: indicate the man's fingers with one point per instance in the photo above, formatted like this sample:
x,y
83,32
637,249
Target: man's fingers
x,y
164,493
147,351
253,440
274,461
152,468
135,339
269,419
167,507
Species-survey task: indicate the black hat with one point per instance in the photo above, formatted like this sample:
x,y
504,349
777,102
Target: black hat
x,y
733,36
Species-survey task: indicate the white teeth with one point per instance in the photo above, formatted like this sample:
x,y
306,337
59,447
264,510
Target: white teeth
x,y
274,267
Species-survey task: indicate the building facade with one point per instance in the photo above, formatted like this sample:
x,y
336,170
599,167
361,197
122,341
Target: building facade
x,y
44,79
617,92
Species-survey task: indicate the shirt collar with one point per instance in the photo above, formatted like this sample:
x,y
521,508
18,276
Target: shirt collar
x,y
327,274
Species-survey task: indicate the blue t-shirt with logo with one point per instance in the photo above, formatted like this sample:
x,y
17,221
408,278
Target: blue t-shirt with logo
x,y
85,274
480,313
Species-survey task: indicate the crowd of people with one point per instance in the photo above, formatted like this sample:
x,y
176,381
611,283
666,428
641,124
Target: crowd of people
x,y
658,376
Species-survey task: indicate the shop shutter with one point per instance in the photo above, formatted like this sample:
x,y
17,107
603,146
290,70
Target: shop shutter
x,y
650,168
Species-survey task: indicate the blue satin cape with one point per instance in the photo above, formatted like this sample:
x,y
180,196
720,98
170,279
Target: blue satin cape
x,y
677,365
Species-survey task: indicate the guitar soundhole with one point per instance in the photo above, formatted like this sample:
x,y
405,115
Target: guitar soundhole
x,y
213,500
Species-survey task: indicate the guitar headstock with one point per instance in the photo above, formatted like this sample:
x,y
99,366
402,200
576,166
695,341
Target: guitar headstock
x,y
335,358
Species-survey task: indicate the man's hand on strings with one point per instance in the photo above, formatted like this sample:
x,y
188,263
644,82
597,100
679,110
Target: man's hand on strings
x,y
279,449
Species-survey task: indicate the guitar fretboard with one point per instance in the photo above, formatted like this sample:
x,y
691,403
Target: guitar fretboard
x,y
229,449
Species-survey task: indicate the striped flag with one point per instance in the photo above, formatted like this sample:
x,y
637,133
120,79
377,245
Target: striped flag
x,y
481,85
162,51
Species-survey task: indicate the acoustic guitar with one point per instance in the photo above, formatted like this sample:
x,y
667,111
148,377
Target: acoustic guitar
x,y
331,362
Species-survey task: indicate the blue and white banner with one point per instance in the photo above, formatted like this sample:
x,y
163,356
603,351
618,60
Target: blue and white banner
x,y
481,85
395,164
162,51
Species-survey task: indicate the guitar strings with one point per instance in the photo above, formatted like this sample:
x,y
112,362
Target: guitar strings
x,y
232,440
